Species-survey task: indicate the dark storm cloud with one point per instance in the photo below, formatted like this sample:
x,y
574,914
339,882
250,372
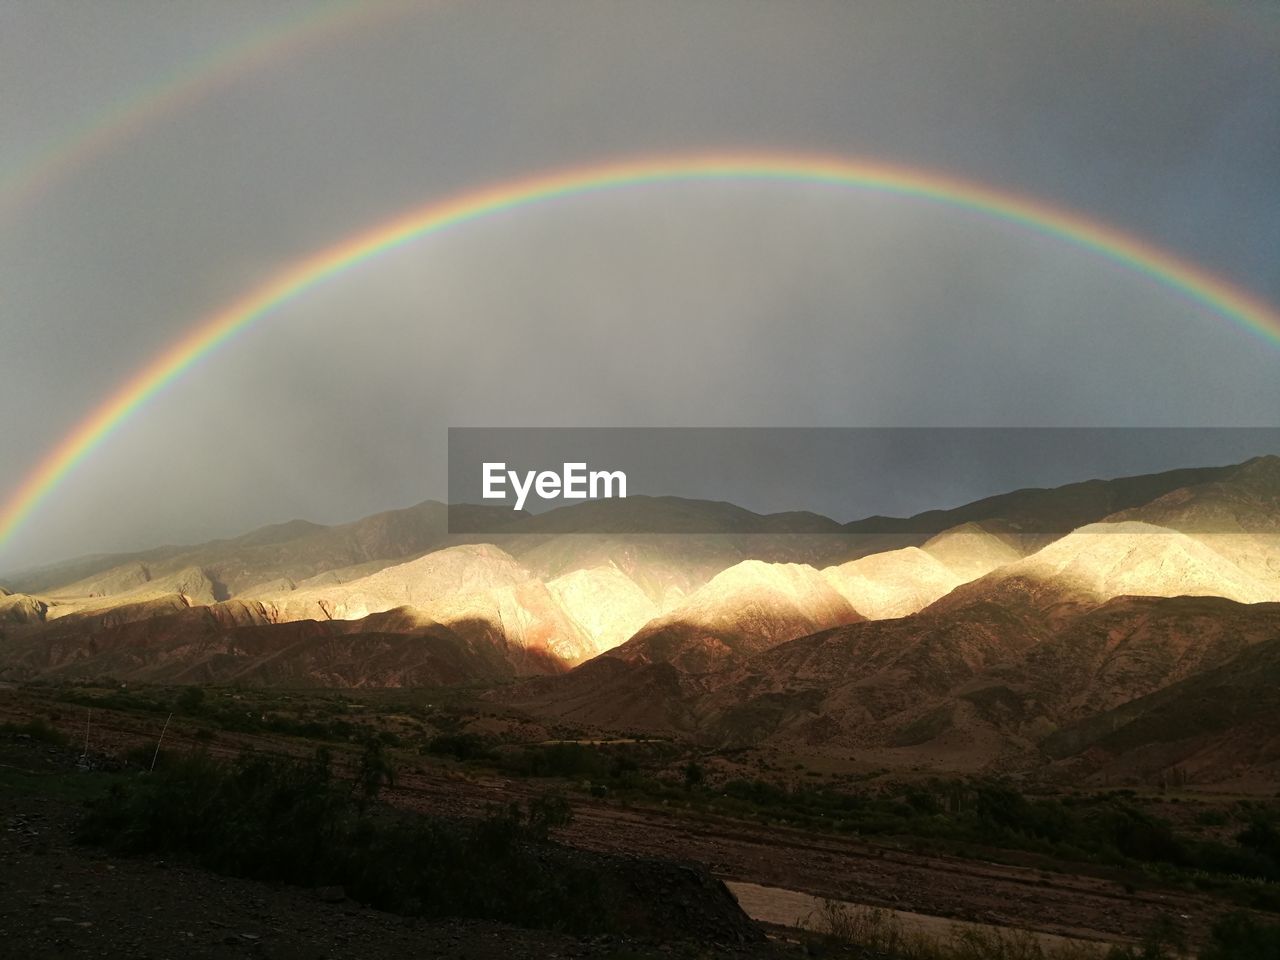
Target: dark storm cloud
x,y
719,304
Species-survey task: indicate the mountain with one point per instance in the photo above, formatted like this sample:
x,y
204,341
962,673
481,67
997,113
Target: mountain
x,y
476,599
1106,560
574,616
230,643
973,549
896,583
988,690
1108,613
293,551
18,609
981,678
740,611
1037,513
630,697
997,644
604,604
416,583
1245,499
1218,726
189,586
299,550
1004,715
1238,516
649,515
847,687
1132,646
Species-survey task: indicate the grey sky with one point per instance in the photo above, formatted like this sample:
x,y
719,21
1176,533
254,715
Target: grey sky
x,y
716,304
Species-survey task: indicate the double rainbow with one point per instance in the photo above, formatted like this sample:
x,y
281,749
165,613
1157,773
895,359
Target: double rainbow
x,y
1197,284
319,23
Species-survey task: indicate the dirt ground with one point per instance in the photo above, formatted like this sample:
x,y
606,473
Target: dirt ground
x,y
1064,901
1065,904
59,900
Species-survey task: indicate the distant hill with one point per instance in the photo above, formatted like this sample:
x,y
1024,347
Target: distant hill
x,y
1052,511
295,550
299,550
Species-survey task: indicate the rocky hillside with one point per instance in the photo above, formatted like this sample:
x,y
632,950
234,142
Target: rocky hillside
x,y
749,607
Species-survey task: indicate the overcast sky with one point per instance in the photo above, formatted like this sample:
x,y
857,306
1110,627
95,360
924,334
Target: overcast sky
x,y
712,304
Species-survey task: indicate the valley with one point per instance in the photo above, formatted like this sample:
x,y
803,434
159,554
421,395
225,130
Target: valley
x,y
976,718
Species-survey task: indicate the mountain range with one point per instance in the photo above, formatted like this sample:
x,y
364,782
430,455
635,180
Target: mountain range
x,y
1107,629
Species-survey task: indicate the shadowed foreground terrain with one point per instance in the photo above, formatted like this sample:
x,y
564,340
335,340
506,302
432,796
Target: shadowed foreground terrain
x,y
61,897
913,846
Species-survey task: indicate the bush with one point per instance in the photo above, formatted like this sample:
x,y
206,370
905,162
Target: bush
x,y
567,760
1238,936
1262,837
292,821
466,747
145,757
190,700
37,729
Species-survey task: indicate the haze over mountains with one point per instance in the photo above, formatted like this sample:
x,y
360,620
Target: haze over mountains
x,y
969,639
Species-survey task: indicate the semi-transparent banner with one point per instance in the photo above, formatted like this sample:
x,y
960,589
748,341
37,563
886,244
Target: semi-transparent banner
x,y
858,480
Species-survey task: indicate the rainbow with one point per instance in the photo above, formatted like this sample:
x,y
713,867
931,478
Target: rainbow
x,y
332,19
1164,268
322,22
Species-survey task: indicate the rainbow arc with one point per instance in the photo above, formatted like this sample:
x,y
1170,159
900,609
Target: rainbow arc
x,y
208,334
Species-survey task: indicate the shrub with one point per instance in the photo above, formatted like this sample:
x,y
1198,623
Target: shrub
x,y
292,821
190,700
1238,936
466,747
37,729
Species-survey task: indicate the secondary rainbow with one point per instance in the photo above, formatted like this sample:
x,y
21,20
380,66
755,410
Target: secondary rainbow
x,y
266,48
1127,250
